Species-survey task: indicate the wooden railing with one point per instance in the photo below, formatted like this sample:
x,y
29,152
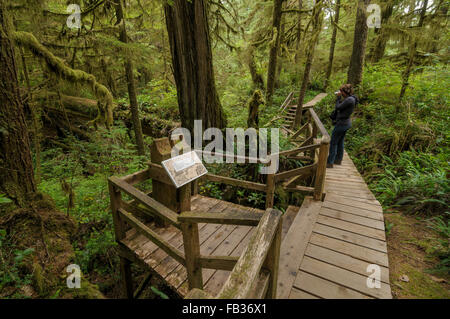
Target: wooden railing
x,y
312,139
254,275
125,215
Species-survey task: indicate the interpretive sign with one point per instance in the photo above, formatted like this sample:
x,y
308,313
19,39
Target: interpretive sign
x,y
184,168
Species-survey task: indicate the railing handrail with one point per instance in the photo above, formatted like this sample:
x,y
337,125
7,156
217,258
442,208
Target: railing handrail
x,y
320,126
156,207
262,251
226,218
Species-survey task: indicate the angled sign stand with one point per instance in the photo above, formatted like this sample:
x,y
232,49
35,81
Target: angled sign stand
x,y
184,168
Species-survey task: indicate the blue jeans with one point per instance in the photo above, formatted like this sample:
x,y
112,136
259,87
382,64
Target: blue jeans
x,y
337,143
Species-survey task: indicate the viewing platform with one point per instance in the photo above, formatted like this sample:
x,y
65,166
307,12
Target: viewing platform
x,y
333,246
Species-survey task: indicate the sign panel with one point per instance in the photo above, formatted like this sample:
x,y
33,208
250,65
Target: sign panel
x,y
184,168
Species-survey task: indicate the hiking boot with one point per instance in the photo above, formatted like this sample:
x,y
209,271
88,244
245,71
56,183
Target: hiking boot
x,y
329,165
338,163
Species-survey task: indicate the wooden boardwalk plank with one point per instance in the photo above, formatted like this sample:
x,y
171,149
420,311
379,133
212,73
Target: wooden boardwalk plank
x,y
178,275
350,237
344,261
344,277
363,253
353,210
356,219
331,199
217,280
324,288
351,227
300,294
294,246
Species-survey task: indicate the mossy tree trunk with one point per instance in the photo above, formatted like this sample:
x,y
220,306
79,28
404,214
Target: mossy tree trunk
x,y
130,81
257,78
379,46
253,109
354,75
188,30
274,47
412,53
333,43
280,52
16,168
317,19
299,31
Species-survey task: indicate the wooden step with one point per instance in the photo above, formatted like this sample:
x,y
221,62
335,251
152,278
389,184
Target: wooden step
x,y
294,245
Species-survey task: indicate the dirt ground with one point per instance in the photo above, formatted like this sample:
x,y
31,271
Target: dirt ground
x,y
411,244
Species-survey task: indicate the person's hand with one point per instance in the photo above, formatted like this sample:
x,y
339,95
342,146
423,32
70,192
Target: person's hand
x,y
339,93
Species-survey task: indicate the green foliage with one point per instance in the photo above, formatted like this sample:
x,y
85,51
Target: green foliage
x,y
98,253
86,168
417,181
441,224
257,199
211,189
12,261
4,199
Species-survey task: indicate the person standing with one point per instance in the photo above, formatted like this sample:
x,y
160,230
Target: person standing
x,y
345,104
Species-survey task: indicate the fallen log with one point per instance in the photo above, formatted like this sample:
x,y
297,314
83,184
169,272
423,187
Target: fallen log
x,y
86,109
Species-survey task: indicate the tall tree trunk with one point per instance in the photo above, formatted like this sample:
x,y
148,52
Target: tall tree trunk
x,y
274,47
333,44
16,168
317,19
379,46
355,69
188,30
130,82
412,52
36,115
257,78
299,31
280,52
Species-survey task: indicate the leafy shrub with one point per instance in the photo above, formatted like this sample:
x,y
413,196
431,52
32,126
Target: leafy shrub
x,y
416,180
441,224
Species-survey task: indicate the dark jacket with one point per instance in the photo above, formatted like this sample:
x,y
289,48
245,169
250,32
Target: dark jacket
x,y
344,109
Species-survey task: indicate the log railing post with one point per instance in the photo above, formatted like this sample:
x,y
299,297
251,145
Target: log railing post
x,y
320,171
192,254
272,263
119,230
270,190
194,188
314,136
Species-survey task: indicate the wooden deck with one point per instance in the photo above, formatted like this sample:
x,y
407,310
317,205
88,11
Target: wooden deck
x,y
325,251
330,244
223,240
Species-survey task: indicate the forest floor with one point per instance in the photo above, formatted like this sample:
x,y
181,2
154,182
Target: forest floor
x,y
410,243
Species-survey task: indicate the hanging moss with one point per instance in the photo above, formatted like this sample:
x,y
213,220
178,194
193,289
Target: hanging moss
x,y
58,67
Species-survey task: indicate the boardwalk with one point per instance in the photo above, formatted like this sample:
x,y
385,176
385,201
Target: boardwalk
x,y
328,248
228,240
330,244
